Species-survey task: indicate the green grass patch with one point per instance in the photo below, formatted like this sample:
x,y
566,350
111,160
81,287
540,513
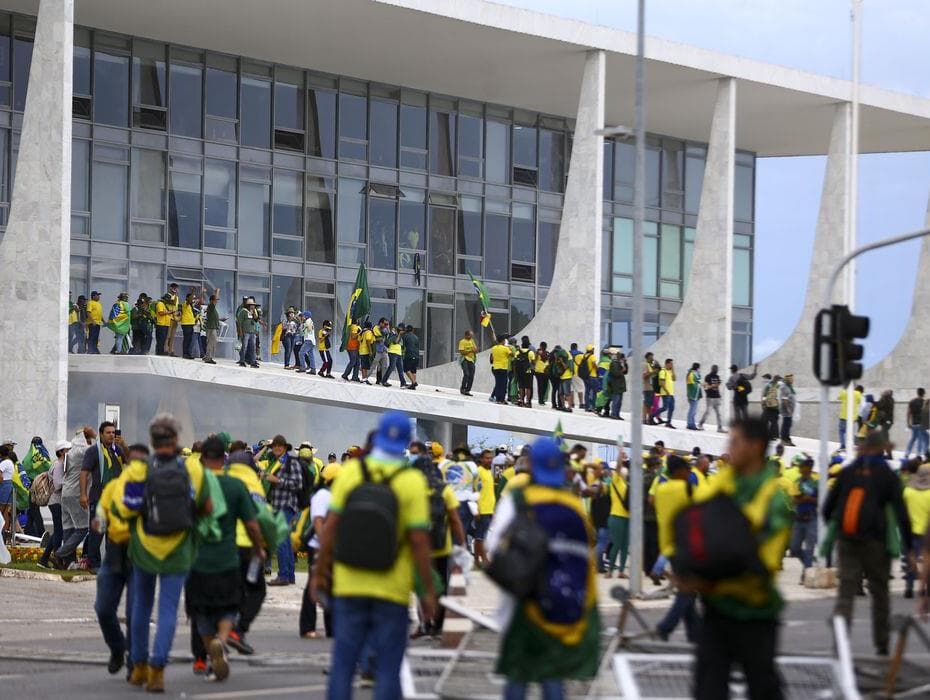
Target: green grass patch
x,y
31,566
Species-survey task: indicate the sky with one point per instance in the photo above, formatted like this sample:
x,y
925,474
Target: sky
x,y
812,35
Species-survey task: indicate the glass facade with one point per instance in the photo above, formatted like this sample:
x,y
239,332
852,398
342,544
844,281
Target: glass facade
x,y
277,181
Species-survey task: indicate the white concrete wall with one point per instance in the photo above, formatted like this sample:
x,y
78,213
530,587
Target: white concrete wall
x,y
35,250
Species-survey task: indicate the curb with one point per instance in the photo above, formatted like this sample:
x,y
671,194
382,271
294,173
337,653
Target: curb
x,y
40,576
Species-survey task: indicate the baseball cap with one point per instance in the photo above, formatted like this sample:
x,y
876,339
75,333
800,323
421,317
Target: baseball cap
x,y
62,445
547,462
436,449
393,434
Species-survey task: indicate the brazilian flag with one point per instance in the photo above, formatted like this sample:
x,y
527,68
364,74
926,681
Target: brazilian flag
x,y
35,462
358,306
483,298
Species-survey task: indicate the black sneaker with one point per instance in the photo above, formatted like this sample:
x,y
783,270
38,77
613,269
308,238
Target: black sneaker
x,y
114,664
237,641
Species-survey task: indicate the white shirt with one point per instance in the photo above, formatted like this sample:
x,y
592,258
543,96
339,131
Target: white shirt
x,y
309,331
6,470
319,507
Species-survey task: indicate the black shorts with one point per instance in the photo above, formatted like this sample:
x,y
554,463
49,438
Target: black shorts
x,y
525,381
410,365
365,361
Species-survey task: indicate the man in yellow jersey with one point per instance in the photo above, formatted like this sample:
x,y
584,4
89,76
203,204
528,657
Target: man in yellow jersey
x,y
324,345
500,365
486,504
163,315
468,353
618,523
366,340
94,323
844,416
917,501
395,351
188,319
541,372
666,393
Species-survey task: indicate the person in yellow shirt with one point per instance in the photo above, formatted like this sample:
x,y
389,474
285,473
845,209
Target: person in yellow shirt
x,y
324,345
666,393
173,303
857,403
163,315
487,500
524,359
94,323
468,353
188,319
365,342
501,356
541,372
917,502
618,523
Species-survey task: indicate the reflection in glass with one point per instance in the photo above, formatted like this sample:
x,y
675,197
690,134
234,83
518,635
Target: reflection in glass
x,y
321,128
524,234
468,317
149,82
22,59
254,205
109,201
439,343
148,184
288,106
521,313
694,178
184,114
548,244
382,233
653,157
551,160
320,239
742,191
410,308
256,112
442,241
220,194
111,89
384,133
670,252
496,247
350,218
469,232
650,264
624,171
80,68
442,143
353,127
221,93
470,145
498,152
184,210
288,205
524,146
413,137
80,175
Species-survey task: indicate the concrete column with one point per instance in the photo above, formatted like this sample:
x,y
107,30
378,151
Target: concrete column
x,y
701,332
571,311
35,250
796,353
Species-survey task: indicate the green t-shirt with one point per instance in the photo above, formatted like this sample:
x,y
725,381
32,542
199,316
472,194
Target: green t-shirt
x,y
411,346
216,557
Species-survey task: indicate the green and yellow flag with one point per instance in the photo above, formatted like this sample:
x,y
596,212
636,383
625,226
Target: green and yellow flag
x,y
559,436
358,306
483,298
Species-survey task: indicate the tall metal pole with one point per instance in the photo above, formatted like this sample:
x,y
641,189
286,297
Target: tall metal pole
x,y
636,325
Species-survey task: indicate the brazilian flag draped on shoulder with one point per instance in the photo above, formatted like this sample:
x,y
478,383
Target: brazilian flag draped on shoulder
x,y
483,298
358,305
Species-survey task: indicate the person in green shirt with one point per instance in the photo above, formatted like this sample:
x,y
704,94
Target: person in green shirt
x,y
247,319
142,321
213,590
211,325
411,344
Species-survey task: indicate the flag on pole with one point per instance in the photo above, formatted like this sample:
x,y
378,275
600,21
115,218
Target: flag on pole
x,y
559,436
358,306
483,298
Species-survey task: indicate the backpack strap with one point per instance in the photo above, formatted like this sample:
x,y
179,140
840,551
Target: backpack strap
x,y
624,500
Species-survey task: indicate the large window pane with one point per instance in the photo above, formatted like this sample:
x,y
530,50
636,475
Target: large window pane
x,y
412,224
225,281
288,204
742,277
22,60
288,106
524,234
256,112
624,171
148,184
321,127
353,127
497,247
384,133
80,69
622,263
321,246
471,133
521,313
650,265
285,291
608,169
184,210
413,137
469,233
442,143
220,194
80,174
468,316
498,152
111,89
149,81
109,201
184,114
551,160
653,158
350,219
442,241
743,188
548,245
670,250
524,146
410,308
383,233
145,277
673,183
439,343
221,93
254,204
694,177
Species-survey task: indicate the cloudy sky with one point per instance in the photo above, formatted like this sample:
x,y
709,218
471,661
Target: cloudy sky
x,y
812,35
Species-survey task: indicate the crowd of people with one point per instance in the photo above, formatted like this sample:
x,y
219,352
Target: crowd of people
x,y
393,517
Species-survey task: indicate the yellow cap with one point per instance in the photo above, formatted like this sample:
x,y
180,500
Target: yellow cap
x,y
590,348
437,450
331,471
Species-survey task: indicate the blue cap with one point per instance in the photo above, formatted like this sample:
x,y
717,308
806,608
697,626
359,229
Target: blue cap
x,y
393,434
307,313
547,462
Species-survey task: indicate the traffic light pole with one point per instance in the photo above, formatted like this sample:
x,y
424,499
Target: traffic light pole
x,y
824,388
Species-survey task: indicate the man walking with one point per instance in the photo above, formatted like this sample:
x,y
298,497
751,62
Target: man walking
x,y
771,393
859,501
712,399
666,378
693,381
804,532
468,353
74,517
411,344
286,479
787,405
616,384
739,384
212,326
918,420
102,463
858,390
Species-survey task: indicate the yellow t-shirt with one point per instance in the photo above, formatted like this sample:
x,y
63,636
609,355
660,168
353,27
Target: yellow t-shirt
x,y
117,528
857,402
500,357
468,349
72,316
699,477
541,365
94,313
452,503
364,342
666,382
162,314
670,497
486,498
322,339
518,481
187,314
395,584
918,508
618,488
395,348
508,473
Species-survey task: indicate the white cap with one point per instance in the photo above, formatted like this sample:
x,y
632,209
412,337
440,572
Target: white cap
x,y
62,445
8,441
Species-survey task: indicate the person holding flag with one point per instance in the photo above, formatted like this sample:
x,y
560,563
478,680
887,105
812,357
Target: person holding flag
x,y
485,300
119,323
357,307
36,461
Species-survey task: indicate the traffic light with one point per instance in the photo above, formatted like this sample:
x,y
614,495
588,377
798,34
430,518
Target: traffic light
x,y
837,355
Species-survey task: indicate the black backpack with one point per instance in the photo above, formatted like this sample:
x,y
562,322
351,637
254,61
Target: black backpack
x,y
366,537
168,502
521,364
519,561
438,515
714,541
307,481
583,370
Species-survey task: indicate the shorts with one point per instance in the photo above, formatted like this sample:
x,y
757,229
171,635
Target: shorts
x,y
481,526
365,361
410,365
566,387
648,398
577,384
6,492
525,381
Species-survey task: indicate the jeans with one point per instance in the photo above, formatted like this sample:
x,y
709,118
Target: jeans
x,y
353,366
500,385
616,401
142,586
740,410
712,405
556,392
466,517
247,351
77,340
396,362
603,543
187,335
120,343
684,607
786,428
71,540
57,532
868,557
619,541
668,408
692,413
592,385
842,430
110,584
92,545
93,339
285,551
919,437
380,626
468,376
306,358
161,339
253,594
287,340
551,690
917,545
804,541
